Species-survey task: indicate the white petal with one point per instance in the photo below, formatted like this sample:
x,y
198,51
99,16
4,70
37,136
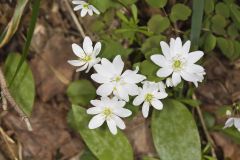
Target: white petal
x,y
105,89
176,78
164,72
122,112
96,121
97,48
108,66
169,82
188,76
78,7
157,104
100,78
186,47
229,122
145,109
94,9
78,51
76,63
194,68
161,86
161,95
78,2
96,103
112,126
102,71
82,68
90,12
132,89
165,49
194,56
84,12
118,64
159,60
178,46
119,122
237,123
87,45
94,110
130,76
121,93
138,100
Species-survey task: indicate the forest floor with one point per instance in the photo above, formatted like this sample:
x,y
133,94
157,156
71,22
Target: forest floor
x,y
52,138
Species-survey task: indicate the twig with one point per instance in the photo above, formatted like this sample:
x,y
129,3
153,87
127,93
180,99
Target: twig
x,y
10,99
75,19
7,139
209,138
4,101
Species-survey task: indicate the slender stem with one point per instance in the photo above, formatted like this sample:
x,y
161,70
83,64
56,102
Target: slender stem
x,y
4,101
10,99
75,19
209,138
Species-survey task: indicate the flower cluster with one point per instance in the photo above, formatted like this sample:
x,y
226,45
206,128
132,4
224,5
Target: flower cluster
x,y
117,84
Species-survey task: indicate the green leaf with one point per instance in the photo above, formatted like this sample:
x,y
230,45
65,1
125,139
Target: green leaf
x,y
232,133
180,12
87,155
23,87
228,48
100,141
103,5
157,3
27,44
175,133
149,158
14,23
127,2
222,9
232,31
81,92
151,43
158,24
218,24
209,119
113,48
134,12
149,69
235,14
210,42
209,6
196,24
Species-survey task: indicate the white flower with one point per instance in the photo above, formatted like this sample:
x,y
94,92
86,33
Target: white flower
x,y
87,55
169,82
178,62
233,121
160,85
109,110
112,80
85,7
149,95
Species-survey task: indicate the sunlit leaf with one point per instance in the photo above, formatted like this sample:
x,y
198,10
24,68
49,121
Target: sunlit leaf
x,y
175,133
180,12
23,87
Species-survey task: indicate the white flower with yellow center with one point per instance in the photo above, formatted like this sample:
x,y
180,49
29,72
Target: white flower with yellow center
x,y
233,121
87,55
178,62
85,7
149,95
113,81
109,110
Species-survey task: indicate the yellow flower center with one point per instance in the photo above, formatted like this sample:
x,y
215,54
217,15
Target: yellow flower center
x,y
177,65
85,5
149,97
107,112
87,58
